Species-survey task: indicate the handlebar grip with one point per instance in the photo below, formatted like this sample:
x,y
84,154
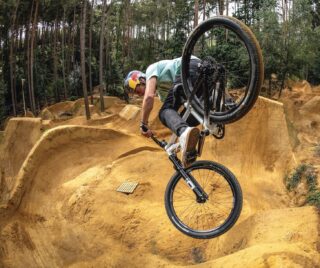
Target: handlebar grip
x,y
144,128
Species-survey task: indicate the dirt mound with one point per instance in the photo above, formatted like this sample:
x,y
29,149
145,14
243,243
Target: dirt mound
x,y
130,112
275,238
257,149
129,119
112,105
19,137
58,110
64,209
301,86
311,109
304,124
69,109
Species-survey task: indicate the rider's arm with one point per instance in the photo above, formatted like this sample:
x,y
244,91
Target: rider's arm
x,y
148,99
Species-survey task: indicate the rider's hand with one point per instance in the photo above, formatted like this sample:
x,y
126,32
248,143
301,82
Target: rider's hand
x,y
145,131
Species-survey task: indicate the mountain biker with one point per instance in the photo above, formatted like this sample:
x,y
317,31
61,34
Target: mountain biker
x,y
162,77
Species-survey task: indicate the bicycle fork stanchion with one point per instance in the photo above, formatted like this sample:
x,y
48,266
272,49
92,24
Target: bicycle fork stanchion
x,y
192,183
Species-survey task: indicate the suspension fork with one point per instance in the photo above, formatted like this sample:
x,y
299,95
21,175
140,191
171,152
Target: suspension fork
x,y
190,180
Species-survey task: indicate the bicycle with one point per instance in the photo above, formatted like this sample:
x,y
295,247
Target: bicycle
x,y
205,199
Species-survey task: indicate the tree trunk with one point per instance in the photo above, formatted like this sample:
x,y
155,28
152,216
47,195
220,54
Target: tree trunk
x,y
23,98
286,44
101,78
12,60
55,62
204,10
27,57
33,35
196,13
83,57
63,54
168,24
90,51
270,87
28,41
74,33
227,7
126,19
221,6
282,83
68,51
13,73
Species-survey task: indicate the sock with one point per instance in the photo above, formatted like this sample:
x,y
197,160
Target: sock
x,y
181,130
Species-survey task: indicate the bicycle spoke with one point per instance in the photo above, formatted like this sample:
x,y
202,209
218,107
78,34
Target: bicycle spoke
x,y
211,214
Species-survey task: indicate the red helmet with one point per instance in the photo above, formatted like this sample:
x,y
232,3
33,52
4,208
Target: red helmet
x,y
134,78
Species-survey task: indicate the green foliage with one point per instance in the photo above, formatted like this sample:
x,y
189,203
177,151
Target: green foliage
x,y
311,178
308,173
290,48
73,98
139,33
302,171
74,80
293,180
269,36
313,198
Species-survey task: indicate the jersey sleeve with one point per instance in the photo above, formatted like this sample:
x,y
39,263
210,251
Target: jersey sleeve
x,y
152,71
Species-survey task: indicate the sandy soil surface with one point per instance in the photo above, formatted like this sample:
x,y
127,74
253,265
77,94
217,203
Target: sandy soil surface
x,y
59,206
302,107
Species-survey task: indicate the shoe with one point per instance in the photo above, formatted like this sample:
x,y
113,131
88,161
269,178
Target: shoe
x,y
188,142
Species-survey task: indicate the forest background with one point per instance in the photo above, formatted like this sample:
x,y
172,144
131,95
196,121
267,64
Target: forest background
x,y
55,50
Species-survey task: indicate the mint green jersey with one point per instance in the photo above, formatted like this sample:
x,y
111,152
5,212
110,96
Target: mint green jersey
x,y
166,72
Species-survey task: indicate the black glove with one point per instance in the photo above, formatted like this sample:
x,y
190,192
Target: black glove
x,y
144,127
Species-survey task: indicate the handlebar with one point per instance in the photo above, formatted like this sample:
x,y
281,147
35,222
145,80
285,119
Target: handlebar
x,y
162,144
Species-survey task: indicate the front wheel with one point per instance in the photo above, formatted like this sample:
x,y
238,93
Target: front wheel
x,y
207,219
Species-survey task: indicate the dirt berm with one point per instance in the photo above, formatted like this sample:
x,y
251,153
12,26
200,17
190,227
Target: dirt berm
x,y
63,210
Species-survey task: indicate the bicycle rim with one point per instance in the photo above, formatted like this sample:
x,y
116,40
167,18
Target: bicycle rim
x,y
232,45
217,214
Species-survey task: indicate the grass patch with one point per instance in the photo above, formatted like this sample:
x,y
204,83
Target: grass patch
x,y
295,178
313,198
305,173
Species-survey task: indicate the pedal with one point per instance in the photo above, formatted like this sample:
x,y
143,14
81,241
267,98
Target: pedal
x,y
191,156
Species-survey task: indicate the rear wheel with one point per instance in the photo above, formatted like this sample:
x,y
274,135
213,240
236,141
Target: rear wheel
x,y
234,48
214,216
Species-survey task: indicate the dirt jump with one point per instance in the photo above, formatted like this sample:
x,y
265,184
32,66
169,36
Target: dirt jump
x,y
59,205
